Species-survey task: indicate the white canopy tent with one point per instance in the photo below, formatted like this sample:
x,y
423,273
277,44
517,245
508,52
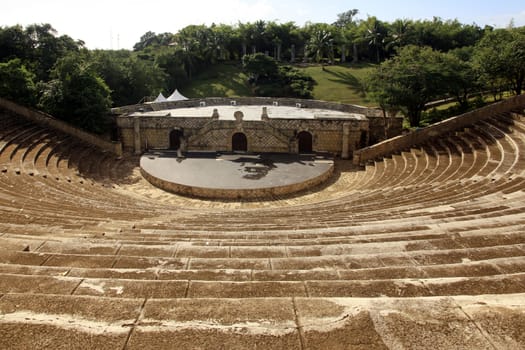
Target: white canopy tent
x,y
160,98
176,96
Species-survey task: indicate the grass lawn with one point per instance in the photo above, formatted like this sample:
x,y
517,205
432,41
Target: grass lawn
x,y
335,83
342,83
222,80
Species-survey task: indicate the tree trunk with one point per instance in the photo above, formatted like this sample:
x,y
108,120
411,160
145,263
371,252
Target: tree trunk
x,y
305,57
355,58
343,53
414,116
519,84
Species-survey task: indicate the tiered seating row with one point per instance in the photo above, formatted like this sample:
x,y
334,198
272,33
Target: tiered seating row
x,y
287,323
393,246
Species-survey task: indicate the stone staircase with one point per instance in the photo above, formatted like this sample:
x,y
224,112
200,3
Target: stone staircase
x,y
421,249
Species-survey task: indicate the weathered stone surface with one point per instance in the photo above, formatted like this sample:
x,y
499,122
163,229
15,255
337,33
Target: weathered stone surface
x,y
219,324
276,132
65,322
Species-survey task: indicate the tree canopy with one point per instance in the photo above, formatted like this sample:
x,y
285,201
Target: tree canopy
x,y
76,94
17,83
268,78
500,56
449,59
410,80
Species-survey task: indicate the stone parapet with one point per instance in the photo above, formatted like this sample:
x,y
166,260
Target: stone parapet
x,y
422,135
249,101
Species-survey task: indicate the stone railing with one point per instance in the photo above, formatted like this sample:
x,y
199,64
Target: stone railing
x,y
47,120
420,136
249,101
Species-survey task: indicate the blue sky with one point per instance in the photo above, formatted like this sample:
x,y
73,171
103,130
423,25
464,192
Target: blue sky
x,y
120,23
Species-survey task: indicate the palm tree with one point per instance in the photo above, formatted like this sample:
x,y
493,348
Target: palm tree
x,y
375,35
398,33
345,22
321,43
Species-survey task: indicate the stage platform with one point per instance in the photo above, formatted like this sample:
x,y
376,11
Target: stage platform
x,y
235,175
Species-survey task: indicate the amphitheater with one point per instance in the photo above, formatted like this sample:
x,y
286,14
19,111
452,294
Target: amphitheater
x,y
418,243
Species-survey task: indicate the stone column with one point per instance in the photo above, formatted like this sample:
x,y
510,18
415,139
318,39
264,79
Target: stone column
x,y
345,154
264,115
136,135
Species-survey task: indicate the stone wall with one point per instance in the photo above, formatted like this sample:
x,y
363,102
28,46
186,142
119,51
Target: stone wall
x,y
382,128
420,136
209,134
267,135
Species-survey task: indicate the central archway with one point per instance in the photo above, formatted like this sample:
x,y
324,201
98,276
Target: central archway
x,y
305,142
239,142
175,136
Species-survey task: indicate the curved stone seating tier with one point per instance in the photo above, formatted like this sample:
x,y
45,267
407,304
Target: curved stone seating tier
x,y
424,248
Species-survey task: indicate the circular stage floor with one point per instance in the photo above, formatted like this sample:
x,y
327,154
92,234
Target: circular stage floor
x,y
235,175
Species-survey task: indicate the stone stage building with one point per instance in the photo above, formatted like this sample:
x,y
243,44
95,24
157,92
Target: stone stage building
x,y
253,125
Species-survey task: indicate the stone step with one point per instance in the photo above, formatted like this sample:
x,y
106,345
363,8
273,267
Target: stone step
x,y
400,269
480,322
498,284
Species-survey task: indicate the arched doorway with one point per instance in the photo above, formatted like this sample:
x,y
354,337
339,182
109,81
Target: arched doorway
x,y
239,142
304,139
363,139
175,136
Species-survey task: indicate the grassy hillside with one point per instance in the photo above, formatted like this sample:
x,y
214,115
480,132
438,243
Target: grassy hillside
x,y
223,80
340,83
334,83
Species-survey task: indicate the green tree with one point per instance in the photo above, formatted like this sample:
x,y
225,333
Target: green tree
x,y
500,56
17,83
321,42
47,48
260,67
409,81
295,83
76,94
444,35
14,43
37,46
375,33
150,39
169,60
346,33
269,79
223,41
114,68
400,33
129,77
460,75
